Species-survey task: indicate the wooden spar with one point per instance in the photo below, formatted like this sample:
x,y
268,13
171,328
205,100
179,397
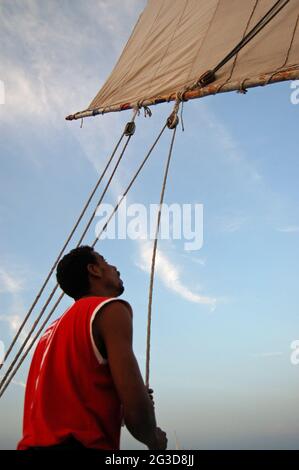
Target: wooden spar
x,y
212,89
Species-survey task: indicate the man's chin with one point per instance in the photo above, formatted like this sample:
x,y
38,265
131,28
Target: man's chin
x,y
121,289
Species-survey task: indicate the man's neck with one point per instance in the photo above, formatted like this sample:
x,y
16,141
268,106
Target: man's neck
x,y
99,293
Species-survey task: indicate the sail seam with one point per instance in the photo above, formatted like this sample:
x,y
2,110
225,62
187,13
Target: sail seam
x,y
166,50
202,42
291,43
133,62
244,34
279,69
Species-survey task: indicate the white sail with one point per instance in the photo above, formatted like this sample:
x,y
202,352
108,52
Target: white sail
x,y
175,41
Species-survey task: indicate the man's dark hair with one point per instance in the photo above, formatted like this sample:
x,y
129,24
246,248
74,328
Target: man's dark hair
x,y
72,274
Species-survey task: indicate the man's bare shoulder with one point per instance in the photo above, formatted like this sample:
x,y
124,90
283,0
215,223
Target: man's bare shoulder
x,y
118,312
117,307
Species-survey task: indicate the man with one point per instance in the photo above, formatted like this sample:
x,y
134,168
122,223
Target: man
x,y
84,379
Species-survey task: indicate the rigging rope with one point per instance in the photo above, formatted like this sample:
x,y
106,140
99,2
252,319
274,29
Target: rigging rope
x,y
6,380
209,76
130,184
61,252
154,254
276,8
262,23
129,134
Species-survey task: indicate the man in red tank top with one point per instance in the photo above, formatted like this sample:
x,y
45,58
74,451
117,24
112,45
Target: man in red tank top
x,y
84,379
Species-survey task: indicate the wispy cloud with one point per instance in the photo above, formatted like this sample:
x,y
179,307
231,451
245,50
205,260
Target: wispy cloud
x,y
230,223
13,320
47,52
194,259
169,274
19,383
46,58
13,283
267,354
230,147
289,229
10,283
51,77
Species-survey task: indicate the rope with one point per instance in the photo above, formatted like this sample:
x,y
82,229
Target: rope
x,y
287,55
130,185
8,378
150,300
61,252
205,79
78,244
209,76
236,56
276,8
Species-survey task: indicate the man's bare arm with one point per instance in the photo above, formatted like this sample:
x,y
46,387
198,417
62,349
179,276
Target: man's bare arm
x,y
113,325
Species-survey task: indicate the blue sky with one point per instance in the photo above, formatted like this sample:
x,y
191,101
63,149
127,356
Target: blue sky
x,y
222,377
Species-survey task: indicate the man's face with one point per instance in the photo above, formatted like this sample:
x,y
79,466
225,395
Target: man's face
x,y
110,275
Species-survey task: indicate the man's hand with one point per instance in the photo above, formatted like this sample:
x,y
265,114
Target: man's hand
x,y
161,437
151,395
160,441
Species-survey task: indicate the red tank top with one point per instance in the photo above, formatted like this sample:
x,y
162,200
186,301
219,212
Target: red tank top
x,y
70,391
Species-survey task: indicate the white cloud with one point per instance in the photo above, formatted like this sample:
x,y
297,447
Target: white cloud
x,y
268,354
13,320
10,283
54,60
201,261
230,223
167,271
230,148
17,382
289,229
54,77
13,283
169,274
13,317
